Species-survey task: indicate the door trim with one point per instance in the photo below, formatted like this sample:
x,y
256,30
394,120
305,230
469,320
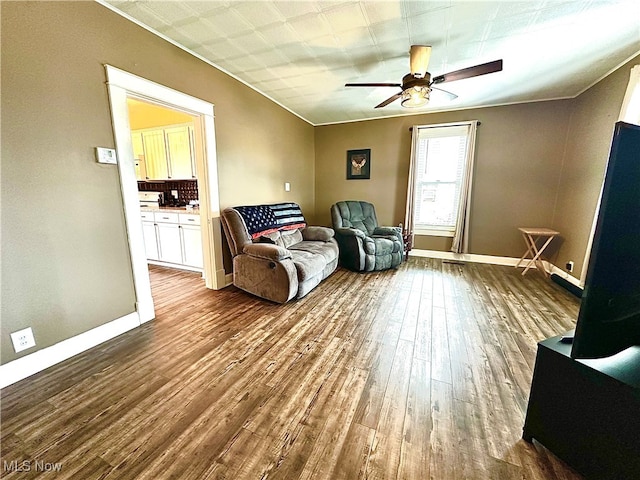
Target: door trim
x,y
122,85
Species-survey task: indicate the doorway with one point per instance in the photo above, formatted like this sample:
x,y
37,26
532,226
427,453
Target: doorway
x,y
164,153
123,86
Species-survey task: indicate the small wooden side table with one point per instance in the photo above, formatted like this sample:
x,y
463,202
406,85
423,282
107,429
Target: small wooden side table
x,y
532,236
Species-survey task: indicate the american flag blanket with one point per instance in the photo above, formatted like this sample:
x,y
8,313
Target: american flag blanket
x,y
264,219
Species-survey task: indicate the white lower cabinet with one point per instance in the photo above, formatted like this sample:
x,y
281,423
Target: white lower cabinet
x,y
150,240
173,238
169,243
191,246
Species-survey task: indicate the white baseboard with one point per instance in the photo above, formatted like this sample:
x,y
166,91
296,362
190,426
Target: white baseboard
x,y
466,257
561,273
508,261
174,265
35,362
228,279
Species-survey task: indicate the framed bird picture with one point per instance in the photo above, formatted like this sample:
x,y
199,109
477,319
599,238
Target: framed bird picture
x,y
359,164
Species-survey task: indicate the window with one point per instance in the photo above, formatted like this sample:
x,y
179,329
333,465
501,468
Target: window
x,y
441,163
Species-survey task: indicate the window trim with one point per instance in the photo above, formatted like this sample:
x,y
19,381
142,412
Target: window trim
x,y
435,230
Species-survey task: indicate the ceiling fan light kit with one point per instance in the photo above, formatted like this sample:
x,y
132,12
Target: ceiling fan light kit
x,y
415,97
416,86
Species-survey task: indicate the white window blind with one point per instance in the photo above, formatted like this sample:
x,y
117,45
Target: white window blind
x,y
441,157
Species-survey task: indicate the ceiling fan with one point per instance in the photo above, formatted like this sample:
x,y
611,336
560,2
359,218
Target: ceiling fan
x,y
417,85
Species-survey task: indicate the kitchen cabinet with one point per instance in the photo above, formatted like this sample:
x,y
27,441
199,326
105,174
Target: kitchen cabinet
x,y
138,156
155,155
180,152
191,240
150,235
173,239
164,153
169,238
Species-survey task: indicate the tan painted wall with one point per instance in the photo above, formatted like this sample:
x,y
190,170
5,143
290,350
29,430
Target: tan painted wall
x,y
593,116
65,263
518,157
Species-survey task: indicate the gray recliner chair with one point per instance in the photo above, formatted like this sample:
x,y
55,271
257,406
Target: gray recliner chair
x,y
364,246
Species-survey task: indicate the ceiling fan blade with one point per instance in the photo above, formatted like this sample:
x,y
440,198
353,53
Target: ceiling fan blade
x,y
476,71
372,85
389,100
452,96
419,60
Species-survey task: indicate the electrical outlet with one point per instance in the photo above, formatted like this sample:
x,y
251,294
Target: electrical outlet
x,y
23,339
569,266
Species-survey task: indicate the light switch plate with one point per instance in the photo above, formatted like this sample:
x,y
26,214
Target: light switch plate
x,y
106,155
287,187
23,339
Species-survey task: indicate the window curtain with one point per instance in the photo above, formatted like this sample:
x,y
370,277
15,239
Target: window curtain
x,y
411,186
460,243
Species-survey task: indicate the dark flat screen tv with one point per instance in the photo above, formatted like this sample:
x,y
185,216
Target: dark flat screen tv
x,y
609,318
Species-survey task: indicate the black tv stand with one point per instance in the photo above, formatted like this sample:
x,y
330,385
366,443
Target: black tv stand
x,y
587,412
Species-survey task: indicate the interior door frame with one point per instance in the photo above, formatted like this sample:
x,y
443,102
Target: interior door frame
x,y
122,85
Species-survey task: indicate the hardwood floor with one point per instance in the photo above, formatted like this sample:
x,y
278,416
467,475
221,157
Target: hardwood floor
x,y
418,373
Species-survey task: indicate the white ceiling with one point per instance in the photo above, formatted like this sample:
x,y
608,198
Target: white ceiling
x,y
301,53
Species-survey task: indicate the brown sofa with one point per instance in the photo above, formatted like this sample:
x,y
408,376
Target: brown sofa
x,y
278,262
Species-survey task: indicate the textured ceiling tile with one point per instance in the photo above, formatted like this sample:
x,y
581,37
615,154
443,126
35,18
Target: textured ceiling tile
x,y
346,17
393,30
301,53
311,26
420,7
428,28
382,11
365,61
273,58
204,8
297,53
547,10
513,25
357,37
224,49
297,81
198,29
261,74
259,14
325,44
251,42
507,9
280,34
178,36
293,9
143,14
228,22
171,12
244,63
475,13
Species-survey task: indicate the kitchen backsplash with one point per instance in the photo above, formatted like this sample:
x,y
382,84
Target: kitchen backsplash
x,y
187,190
